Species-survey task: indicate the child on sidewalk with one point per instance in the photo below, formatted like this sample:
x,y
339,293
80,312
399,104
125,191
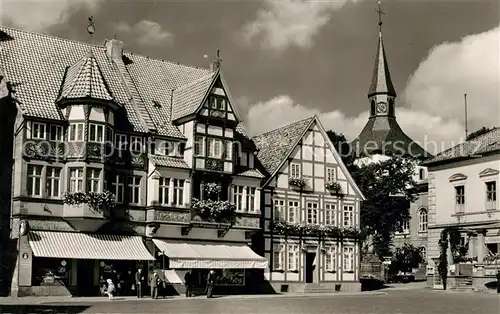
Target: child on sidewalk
x,y
111,289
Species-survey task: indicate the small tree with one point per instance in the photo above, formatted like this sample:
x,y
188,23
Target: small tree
x,y
385,186
405,258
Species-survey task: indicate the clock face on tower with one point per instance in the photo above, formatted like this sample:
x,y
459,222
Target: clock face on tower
x,y
381,107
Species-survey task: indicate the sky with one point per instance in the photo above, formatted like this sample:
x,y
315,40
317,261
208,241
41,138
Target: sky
x,y
285,60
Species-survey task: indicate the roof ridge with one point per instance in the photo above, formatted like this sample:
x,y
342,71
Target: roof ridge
x,y
198,80
98,46
285,126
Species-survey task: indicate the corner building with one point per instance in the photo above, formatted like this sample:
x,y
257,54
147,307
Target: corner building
x,y
121,161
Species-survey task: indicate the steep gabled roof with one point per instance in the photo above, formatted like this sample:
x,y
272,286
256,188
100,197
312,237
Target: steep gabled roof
x,y
485,143
275,146
35,64
188,98
84,80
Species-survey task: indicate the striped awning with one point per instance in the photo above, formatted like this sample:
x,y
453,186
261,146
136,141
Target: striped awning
x,y
207,255
88,246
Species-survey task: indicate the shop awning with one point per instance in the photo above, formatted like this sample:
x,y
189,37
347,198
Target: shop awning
x,y
209,255
88,246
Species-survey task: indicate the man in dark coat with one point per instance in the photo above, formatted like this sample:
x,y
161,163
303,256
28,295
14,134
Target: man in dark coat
x,y
210,283
498,281
188,282
139,283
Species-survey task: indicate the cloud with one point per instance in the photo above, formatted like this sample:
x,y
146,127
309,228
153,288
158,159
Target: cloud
x,y
450,70
435,135
38,15
147,33
434,92
284,23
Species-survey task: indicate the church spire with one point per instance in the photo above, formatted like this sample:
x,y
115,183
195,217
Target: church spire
x,y
381,79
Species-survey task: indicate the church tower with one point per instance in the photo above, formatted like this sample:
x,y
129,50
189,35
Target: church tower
x,y
382,134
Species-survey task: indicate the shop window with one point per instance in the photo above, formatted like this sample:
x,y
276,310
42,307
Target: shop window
x,y
51,271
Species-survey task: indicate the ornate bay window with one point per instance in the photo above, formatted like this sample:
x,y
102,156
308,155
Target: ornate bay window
x,y
171,192
215,148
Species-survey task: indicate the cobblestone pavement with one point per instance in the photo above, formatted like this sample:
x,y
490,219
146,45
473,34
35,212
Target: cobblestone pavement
x,y
393,302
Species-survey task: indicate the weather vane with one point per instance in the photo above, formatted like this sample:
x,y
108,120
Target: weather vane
x,y
91,27
380,13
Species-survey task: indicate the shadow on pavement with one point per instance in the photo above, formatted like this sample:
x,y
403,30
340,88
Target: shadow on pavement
x,y
39,308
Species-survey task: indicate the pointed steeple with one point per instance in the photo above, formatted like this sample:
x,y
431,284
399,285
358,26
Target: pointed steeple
x,y
381,79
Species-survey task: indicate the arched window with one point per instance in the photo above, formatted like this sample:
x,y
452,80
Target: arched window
x,y
422,220
423,252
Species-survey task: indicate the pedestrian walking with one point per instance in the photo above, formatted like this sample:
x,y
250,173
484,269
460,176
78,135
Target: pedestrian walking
x,y
210,283
498,281
188,282
139,282
111,289
154,285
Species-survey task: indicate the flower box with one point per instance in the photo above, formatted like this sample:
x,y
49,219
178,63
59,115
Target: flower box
x,y
298,182
214,211
99,202
333,186
286,229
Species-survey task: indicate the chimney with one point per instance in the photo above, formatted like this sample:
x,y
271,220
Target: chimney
x,y
114,48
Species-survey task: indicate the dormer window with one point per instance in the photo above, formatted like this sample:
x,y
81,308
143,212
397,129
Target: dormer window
x,y
38,131
75,132
96,133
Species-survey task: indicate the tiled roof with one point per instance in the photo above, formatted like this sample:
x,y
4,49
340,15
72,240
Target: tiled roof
x,y
84,79
383,135
276,145
381,79
165,161
251,173
35,64
188,98
485,143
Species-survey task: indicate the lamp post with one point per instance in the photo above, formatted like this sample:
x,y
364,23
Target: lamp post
x,y
23,230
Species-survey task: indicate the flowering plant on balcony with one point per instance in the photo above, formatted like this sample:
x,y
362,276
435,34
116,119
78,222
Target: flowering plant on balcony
x,y
492,259
298,182
215,211
97,201
333,186
286,229
212,189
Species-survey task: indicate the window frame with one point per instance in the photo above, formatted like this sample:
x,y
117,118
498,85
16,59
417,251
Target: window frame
x,y
279,256
79,179
238,197
423,220
134,189
40,128
164,191
280,207
73,132
330,174
459,198
118,184
178,192
293,206
295,170
312,210
348,259
213,144
348,212
491,194
93,181
330,213
58,131
331,253
33,177
293,255
93,136
50,178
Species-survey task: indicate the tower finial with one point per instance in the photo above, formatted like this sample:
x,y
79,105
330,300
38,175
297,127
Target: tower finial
x,y
91,28
380,13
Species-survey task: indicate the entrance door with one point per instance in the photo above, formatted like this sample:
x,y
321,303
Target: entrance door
x,y
309,269
85,277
